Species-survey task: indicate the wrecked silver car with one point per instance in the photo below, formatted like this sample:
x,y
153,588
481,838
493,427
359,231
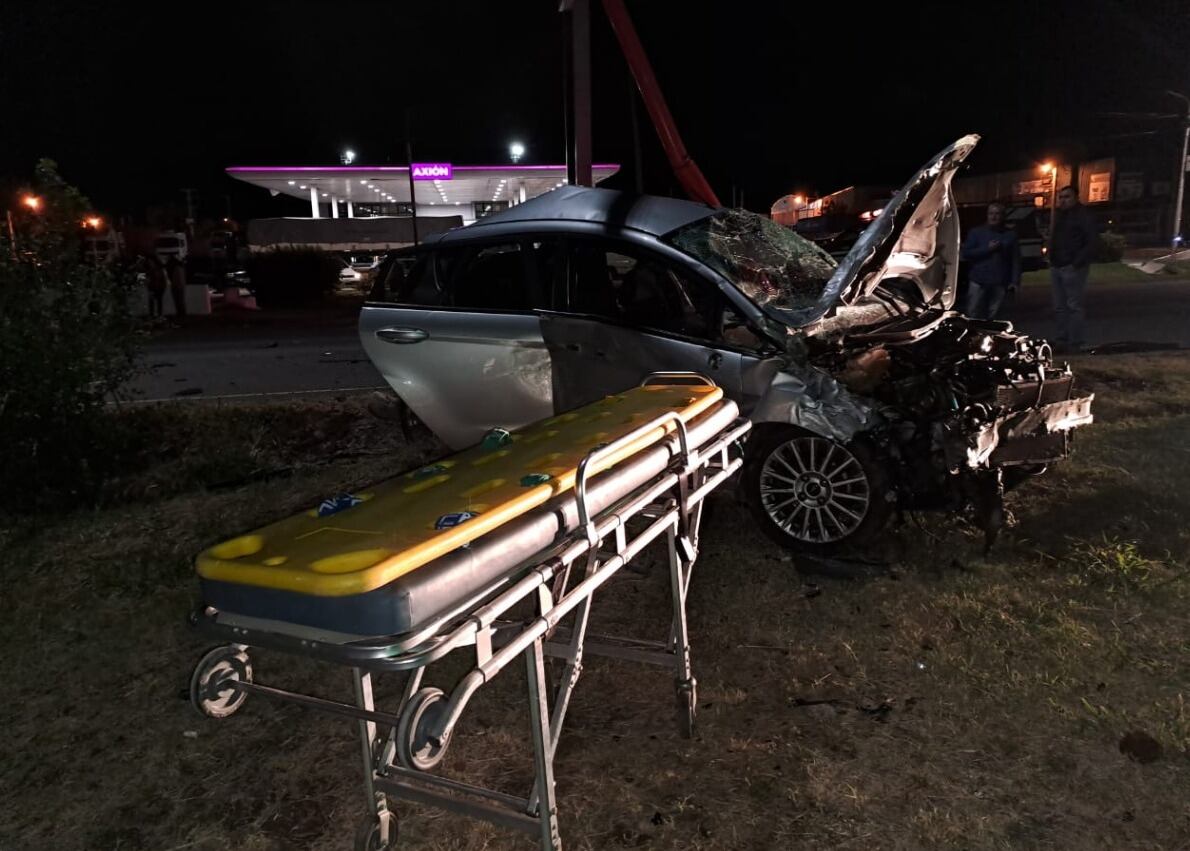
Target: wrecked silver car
x,y
869,394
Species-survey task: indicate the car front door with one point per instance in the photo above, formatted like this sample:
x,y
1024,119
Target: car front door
x,y
457,338
625,312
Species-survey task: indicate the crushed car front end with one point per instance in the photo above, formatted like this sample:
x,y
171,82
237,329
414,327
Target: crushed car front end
x,y
963,409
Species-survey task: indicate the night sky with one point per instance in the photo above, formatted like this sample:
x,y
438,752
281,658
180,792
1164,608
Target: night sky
x,y
135,101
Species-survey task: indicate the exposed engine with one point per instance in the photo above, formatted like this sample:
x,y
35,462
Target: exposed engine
x,y
968,408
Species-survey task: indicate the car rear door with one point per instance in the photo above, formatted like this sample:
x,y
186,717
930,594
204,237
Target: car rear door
x,y
625,312
458,340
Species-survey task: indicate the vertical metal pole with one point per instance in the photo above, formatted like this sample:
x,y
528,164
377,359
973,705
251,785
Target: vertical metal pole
x,y
567,91
409,159
581,59
12,234
334,207
1177,210
542,748
637,165
313,203
367,734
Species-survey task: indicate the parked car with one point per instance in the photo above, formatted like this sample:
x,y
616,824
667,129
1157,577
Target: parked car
x,y
348,274
868,393
364,262
171,244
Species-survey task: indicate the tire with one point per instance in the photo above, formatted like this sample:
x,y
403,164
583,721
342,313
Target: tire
x,y
813,495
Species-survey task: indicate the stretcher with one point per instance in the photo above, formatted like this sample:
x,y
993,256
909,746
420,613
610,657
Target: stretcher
x,y
495,553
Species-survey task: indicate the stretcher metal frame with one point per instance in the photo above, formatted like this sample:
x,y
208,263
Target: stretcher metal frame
x,y
399,749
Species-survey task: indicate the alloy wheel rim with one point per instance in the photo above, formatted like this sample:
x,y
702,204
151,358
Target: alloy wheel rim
x,y
814,489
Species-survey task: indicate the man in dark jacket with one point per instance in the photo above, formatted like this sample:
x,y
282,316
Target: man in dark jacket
x,y
994,254
1071,246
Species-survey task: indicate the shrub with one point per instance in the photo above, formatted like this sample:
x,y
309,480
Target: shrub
x,y
1110,247
289,277
66,341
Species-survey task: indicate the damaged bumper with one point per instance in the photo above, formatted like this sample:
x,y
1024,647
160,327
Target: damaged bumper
x,y
981,439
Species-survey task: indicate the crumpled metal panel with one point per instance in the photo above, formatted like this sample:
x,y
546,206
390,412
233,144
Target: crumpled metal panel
x,y
770,264
808,397
974,447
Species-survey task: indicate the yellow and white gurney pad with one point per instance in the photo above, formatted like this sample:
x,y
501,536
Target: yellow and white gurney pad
x,y
391,557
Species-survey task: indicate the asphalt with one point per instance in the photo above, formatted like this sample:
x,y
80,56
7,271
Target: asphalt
x,y
263,355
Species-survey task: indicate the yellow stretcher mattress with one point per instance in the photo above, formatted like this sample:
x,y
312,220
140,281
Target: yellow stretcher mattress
x,y
355,543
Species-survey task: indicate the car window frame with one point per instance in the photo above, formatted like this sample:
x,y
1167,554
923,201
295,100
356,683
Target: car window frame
x,y
643,251
528,269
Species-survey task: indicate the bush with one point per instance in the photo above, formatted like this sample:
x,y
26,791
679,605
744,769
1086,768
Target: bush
x,y
66,341
1109,248
288,277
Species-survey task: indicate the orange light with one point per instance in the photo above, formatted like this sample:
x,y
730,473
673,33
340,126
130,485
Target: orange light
x,y
1046,168
32,202
93,222
799,199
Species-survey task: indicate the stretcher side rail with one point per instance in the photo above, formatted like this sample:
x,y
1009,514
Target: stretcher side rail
x,y
399,750
436,639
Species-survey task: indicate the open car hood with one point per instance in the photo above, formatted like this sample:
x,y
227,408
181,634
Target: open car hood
x,y
915,239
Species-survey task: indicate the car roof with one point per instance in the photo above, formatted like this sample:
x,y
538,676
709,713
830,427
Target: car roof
x,y
646,213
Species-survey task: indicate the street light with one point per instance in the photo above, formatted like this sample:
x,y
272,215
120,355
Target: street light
x,y
348,156
516,150
32,202
93,222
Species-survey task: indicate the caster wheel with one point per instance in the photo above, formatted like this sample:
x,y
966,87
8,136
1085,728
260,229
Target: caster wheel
x,y
686,694
377,833
414,749
211,692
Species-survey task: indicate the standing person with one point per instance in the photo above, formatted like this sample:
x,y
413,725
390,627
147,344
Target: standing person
x,y
994,253
177,284
154,277
1071,246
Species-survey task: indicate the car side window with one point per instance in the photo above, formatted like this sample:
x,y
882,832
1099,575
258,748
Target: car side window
x,y
619,283
406,278
486,277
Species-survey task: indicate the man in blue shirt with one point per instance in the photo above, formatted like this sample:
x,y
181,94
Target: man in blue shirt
x,y
994,254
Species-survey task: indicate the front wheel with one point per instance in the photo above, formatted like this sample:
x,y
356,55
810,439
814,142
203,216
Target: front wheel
x,y
812,494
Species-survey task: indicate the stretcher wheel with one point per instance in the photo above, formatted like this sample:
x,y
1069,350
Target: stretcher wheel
x,y
686,693
414,748
211,691
377,833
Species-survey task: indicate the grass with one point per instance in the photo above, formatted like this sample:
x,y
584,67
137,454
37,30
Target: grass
x,y
1101,273
953,701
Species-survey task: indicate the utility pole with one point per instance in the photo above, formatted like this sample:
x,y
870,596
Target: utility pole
x,y
409,160
577,32
189,193
1177,210
638,165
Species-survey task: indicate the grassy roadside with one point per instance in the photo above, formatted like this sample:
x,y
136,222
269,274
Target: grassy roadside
x,y
951,701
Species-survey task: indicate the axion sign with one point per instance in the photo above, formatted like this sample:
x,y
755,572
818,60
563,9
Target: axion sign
x,y
432,171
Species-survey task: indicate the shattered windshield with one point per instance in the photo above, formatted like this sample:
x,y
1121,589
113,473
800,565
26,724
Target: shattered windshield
x,y
770,264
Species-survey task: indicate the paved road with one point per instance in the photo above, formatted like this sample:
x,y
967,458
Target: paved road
x,y
295,364
1156,311
324,355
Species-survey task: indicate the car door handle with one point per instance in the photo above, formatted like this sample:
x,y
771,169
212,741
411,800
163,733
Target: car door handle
x,y
402,335
715,360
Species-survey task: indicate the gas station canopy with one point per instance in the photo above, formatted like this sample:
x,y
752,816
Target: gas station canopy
x,y
441,188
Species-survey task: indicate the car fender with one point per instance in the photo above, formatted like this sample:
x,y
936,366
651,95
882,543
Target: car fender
x,y
808,397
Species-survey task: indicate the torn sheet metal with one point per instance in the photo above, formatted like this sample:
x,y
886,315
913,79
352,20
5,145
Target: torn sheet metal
x,y
808,397
996,441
